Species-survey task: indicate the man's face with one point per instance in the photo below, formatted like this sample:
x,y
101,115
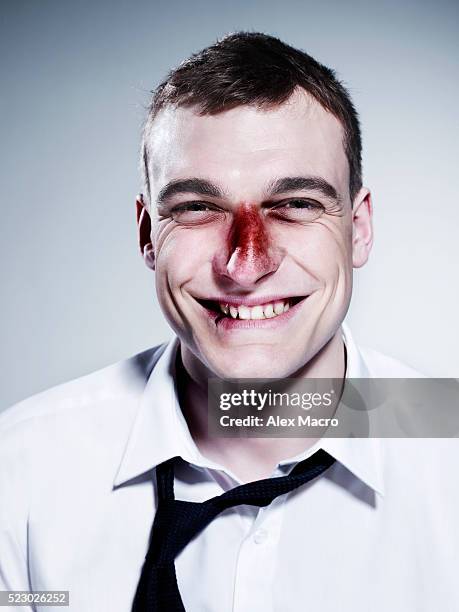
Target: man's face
x,y
252,234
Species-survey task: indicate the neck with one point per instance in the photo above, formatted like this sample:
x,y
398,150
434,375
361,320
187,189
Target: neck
x,y
249,458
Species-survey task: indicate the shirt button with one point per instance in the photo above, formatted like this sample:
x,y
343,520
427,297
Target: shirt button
x,y
260,536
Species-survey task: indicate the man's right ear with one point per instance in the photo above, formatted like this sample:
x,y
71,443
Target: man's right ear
x,y
144,232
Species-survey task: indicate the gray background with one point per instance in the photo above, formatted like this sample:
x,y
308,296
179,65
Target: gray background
x,y
75,78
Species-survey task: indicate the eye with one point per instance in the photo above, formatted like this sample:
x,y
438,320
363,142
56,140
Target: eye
x,y
298,210
194,213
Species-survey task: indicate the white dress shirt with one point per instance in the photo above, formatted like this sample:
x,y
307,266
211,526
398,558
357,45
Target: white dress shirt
x,y
376,533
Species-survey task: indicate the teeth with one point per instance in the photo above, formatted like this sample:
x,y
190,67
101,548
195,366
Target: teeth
x,y
261,311
257,312
244,312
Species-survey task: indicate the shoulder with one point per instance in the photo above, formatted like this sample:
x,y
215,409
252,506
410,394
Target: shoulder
x,y
71,435
365,362
385,366
98,406
120,380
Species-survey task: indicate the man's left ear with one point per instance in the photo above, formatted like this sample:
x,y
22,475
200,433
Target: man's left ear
x,y
362,227
144,233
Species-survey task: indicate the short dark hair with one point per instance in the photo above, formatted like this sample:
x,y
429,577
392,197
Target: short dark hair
x,y
251,68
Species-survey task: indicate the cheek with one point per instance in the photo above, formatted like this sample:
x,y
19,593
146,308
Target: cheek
x,y
322,248
182,253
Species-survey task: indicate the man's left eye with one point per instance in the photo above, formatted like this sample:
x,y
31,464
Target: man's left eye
x,y
300,204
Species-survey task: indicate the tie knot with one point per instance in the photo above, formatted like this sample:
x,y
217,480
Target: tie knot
x,y
178,522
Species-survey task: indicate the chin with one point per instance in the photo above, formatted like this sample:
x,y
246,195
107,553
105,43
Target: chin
x,y
254,366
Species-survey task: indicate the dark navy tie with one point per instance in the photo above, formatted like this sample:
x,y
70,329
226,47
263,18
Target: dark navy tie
x,y
177,522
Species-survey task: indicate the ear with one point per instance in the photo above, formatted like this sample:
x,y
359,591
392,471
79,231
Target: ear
x,y
144,232
362,227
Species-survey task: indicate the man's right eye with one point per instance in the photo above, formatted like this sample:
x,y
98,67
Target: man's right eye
x,y
193,206
194,212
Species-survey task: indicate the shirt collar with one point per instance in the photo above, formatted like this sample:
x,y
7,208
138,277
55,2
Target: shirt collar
x,y
361,456
160,430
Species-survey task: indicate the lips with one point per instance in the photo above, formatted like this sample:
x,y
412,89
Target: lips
x,y
249,308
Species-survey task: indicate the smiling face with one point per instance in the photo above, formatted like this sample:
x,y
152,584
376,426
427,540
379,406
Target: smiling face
x,y
253,234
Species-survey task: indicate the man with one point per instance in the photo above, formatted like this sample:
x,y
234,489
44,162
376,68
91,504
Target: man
x,y
253,216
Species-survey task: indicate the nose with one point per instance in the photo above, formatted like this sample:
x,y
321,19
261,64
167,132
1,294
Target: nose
x,y
249,254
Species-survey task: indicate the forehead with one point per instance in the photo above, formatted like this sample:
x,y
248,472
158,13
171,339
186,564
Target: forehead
x,y
246,147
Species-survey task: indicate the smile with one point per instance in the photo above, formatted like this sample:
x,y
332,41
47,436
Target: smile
x,y
248,309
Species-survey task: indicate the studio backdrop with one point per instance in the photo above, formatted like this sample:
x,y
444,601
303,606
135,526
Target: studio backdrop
x,y
75,82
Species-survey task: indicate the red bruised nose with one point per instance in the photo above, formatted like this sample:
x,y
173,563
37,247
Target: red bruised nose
x,y
249,255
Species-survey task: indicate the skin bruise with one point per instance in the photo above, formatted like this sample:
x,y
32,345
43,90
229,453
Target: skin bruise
x,y
248,242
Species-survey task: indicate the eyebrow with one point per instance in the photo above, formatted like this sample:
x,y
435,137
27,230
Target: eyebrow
x,y
277,187
191,185
298,183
